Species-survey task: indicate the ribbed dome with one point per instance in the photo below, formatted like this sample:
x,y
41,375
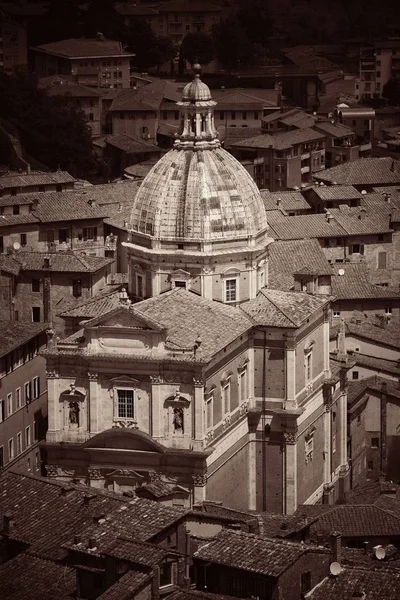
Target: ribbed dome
x,y
199,194
196,91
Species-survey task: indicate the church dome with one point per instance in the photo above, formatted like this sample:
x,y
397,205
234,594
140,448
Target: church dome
x,y
198,195
198,191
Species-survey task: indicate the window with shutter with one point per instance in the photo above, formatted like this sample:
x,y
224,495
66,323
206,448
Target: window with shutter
x,y
382,260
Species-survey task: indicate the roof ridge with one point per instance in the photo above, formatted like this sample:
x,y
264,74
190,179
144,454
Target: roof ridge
x,y
263,290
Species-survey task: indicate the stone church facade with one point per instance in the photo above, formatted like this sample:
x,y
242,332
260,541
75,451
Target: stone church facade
x,y
203,383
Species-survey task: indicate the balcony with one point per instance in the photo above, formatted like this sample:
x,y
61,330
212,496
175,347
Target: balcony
x,y
365,147
305,170
305,156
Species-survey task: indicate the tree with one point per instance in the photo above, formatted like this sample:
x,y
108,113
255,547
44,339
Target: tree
x,y
198,47
102,17
62,20
259,28
51,129
162,51
139,39
391,91
232,46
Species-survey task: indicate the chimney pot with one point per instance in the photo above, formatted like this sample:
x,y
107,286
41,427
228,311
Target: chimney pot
x,y
92,543
337,547
8,522
77,539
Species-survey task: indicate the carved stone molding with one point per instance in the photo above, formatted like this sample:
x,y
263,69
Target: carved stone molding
x,y
125,473
156,379
209,436
92,376
199,480
290,344
289,438
52,470
95,473
198,382
309,388
121,424
244,408
177,378
154,476
52,374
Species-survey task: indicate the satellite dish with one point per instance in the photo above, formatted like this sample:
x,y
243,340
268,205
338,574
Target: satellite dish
x,y
341,272
363,192
16,245
379,552
335,569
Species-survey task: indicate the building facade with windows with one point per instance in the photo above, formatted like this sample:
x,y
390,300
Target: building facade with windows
x,y
23,395
210,382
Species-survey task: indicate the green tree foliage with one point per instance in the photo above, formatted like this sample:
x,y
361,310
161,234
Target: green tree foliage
x,y
255,20
62,20
140,40
101,17
198,47
162,50
51,129
391,91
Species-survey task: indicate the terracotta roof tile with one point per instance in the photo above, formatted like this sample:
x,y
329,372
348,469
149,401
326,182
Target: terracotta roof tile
x,y
94,307
125,588
363,171
138,552
6,220
307,226
353,582
288,257
15,333
351,281
186,316
131,144
83,48
20,180
275,308
249,552
66,262
380,365
335,130
280,141
357,221
369,329
287,200
189,594
8,264
337,192
29,577
357,521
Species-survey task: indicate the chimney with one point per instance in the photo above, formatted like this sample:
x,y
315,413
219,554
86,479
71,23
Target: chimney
x,y
8,523
363,212
87,498
77,540
328,216
336,544
92,544
100,37
28,169
67,491
381,321
387,197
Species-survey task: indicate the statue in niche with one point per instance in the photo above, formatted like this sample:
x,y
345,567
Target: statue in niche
x,y
74,413
178,419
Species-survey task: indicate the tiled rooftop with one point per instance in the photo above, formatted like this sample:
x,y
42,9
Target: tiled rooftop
x,y
380,365
8,264
66,262
351,281
357,221
288,257
376,383
19,180
281,141
357,521
189,594
335,130
67,206
130,144
83,48
275,308
138,552
99,305
307,226
29,577
368,328
15,333
363,171
252,553
289,201
358,583
127,586
337,192
186,316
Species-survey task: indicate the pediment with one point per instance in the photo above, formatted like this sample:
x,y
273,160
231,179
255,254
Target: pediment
x,y
124,380
124,317
124,439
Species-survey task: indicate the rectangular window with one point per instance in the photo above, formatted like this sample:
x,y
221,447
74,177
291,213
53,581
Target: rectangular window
x,y
166,575
1,457
309,448
226,397
9,405
19,443
308,366
77,288
243,385
35,285
28,392
17,398
23,239
230,290
11,449
244,115
139,286
382,260
222,115
388,310
375,442
36,314
90,233
37,460
209,412
125,404
370,465
256,115
28,465
16,209
36,387
50,236
233,115
63,236
2,415
355,375
27,436
176,115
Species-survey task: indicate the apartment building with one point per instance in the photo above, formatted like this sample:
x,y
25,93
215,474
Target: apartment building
x,y
379,61
94,62
13,46
23,395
